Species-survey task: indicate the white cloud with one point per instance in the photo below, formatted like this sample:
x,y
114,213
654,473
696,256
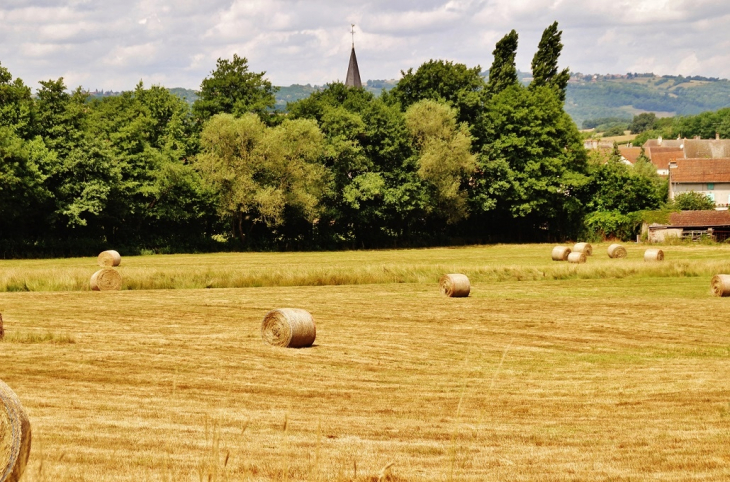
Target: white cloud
x,y
114,45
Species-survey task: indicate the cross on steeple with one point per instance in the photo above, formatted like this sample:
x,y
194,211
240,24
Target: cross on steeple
x,y
353,71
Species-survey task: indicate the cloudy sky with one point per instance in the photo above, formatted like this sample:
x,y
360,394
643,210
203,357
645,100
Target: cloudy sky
x,y
113,45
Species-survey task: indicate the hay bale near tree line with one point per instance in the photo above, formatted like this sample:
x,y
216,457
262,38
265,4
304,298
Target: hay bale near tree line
x,y
583,248
560,253
455,285
616,251
720,285
109,258
106,279
289,327
577,258
653,255
15,435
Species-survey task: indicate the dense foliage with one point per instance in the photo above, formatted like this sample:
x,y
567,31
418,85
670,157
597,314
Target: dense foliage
x,y
445,156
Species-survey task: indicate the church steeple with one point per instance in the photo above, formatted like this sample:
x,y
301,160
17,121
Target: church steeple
x,y
353,72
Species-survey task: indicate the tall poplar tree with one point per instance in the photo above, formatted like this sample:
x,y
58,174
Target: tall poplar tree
x,y
503,72
545,62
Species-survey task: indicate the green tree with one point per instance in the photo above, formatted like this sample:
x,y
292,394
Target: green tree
x,y
503,72
16,104
150,137
643,122
545,62
532,168
693,201
262,172
454,83
616,186
232,89
23,194
444,156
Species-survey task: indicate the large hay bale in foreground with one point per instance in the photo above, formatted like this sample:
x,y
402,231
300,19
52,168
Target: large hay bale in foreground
x,y
455,285
289,327
106,279
583,248
109,258
15,435
560,253
616,251
653,255
720,285
577,258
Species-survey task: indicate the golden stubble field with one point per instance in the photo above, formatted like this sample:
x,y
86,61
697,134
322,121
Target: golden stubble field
x,y
612,370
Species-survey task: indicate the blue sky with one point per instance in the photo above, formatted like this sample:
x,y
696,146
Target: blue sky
x,y
114,45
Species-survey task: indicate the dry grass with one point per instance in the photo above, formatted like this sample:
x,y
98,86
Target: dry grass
x,y
245,270
518,382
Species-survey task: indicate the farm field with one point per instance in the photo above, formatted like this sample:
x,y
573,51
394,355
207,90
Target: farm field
x,y
611,370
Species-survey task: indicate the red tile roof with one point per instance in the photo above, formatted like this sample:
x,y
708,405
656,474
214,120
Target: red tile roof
x,y
700,218
701,170
707,148
630,153
650,151
661,157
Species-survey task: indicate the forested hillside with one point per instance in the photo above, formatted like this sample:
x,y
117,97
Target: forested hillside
x,y
593,97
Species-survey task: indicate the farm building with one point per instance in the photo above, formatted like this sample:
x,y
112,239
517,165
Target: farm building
x,y
692,225
707,176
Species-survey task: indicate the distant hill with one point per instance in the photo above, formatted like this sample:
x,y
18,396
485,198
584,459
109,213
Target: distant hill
x,y
623,96
587,97
188,95
291,93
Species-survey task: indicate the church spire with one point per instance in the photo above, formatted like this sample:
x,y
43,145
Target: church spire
x,y
353,72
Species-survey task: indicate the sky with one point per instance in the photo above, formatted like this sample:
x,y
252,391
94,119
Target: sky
x,y
114,45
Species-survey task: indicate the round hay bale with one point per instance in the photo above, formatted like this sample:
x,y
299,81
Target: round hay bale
x,y
560,253
109,258
455,285
720,285
288,327
616,251
653,255
15,435
106,279
583,248
577,258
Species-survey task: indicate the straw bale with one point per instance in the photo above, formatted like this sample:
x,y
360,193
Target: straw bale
x,y
288,327
109,258
106,279
653,255
616,251
577,258
560,253
720,285
583,248
455,285
15,435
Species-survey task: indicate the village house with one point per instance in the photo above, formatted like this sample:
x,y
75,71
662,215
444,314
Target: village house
x,y
691,225
710,177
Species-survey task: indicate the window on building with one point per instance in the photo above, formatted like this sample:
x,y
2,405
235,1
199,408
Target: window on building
x,y
711,195
710,186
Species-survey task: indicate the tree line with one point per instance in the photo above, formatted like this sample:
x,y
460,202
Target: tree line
x,y
446,156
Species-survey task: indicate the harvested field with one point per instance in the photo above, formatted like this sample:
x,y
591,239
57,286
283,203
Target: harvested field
x,y
517,382
246,270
